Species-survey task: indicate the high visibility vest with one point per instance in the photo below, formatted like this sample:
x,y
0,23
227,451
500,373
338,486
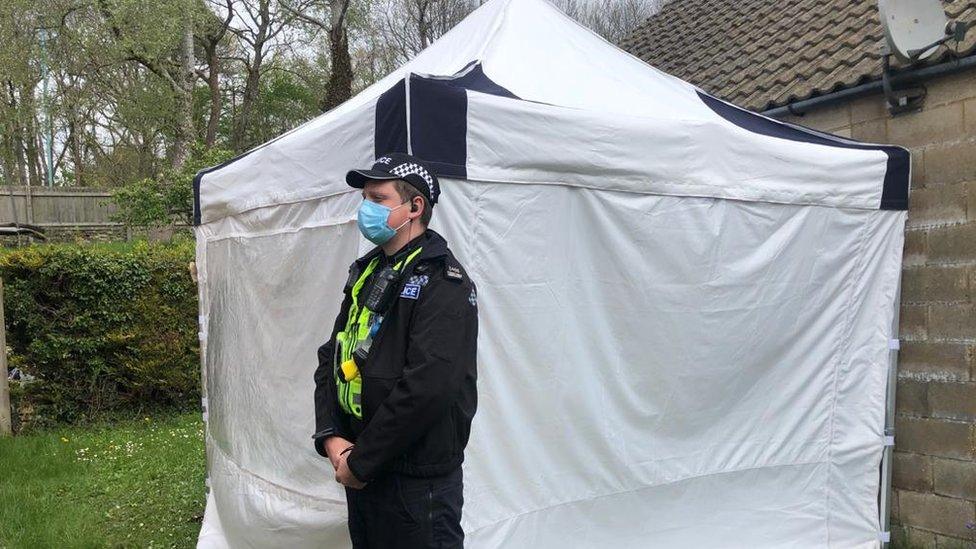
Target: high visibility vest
x,y
359,321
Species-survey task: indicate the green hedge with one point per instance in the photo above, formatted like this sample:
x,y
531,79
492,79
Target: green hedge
x,y
104,328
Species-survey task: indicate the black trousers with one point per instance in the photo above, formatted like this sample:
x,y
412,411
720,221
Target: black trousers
x,y
395,511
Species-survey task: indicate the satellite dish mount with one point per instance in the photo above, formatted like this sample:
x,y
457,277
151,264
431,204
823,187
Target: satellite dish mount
x,y
914,30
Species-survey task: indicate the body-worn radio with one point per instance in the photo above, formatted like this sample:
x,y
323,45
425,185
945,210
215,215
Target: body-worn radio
x,y
379,298
383,290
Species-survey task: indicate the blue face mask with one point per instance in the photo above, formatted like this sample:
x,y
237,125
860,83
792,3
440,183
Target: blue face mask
x,y
372,222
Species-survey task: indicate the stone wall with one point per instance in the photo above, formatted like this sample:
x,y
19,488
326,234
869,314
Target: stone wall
x,y
934,475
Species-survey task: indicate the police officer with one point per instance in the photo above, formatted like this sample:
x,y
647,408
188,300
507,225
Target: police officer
x,y
395,387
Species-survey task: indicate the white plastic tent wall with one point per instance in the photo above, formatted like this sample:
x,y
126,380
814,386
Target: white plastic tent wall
x,y
685,308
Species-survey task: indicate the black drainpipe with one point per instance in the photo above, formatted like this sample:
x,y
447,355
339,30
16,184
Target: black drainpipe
x,y
902,78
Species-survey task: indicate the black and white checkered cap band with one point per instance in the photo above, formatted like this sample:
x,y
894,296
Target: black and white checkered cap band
x,y
411,168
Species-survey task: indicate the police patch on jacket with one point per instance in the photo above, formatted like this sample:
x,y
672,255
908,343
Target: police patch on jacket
x,y
409,437
410,291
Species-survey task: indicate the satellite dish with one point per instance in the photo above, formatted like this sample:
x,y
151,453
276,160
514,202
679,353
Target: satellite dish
x,y
914,29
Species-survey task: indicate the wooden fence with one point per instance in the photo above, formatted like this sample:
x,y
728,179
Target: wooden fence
x,y
65,213
56,206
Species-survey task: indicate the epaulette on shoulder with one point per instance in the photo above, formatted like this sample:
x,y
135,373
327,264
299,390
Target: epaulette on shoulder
x,y
453,270
426,265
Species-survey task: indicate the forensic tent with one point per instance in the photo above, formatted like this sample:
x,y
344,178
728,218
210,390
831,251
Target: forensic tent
x,y
685,308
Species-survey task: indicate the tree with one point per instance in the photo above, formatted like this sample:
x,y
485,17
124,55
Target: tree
x,y
407,27
132,84
213,31
612,19
330,16
19,23
262,27
159,37
289,95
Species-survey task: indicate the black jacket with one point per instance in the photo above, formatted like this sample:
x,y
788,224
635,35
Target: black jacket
x,y
419,380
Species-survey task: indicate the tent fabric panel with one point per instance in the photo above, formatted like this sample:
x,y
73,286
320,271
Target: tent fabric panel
x,y
391,121
198,178
505,48
894,195
719,352
439,125
301,165
711,158
862,373
472,77
243,511
692,355
434,127
541,54
258,277
260,286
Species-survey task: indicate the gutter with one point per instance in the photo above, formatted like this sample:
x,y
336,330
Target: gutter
x,y
904,78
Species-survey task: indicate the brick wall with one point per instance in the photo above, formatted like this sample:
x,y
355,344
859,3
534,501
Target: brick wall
x,y
934,474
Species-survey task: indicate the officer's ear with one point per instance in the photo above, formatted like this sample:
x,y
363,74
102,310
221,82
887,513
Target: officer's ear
x,y
417,205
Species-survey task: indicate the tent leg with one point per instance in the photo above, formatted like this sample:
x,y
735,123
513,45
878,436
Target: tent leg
x,y
198,272
889,430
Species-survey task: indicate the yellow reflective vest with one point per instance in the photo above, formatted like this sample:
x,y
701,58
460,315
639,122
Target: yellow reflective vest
x,y
359,321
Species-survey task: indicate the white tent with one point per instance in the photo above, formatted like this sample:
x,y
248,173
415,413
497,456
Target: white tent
x,y
685,308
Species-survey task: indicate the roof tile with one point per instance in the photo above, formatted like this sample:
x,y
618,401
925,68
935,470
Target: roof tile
x,y
762,54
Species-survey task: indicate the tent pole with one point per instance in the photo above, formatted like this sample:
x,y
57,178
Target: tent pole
x,y
889,429
406,93
202,327
5,415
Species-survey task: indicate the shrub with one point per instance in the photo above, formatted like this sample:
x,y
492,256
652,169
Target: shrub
x,y
168,197
102,327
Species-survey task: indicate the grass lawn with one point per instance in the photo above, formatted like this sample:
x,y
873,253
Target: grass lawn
x,y
130,483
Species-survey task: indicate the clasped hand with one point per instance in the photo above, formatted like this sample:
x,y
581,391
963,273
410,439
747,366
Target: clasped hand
x,y
335,447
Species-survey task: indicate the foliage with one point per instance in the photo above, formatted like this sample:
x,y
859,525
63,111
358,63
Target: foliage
x,y
129,483
288,96
102,328
130,84
153,202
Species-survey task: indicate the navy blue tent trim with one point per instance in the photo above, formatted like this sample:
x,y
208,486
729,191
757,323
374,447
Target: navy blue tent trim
x,y
475,79
439,125
438,117
894,192
196,196
390,134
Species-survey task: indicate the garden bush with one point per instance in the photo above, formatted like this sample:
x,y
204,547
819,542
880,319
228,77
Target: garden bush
x,y
103,328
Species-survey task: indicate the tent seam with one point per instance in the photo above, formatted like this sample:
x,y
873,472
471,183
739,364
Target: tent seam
x,y
687,195
621,492
331,222
283,490
203,295
256,206
856,276
480,56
